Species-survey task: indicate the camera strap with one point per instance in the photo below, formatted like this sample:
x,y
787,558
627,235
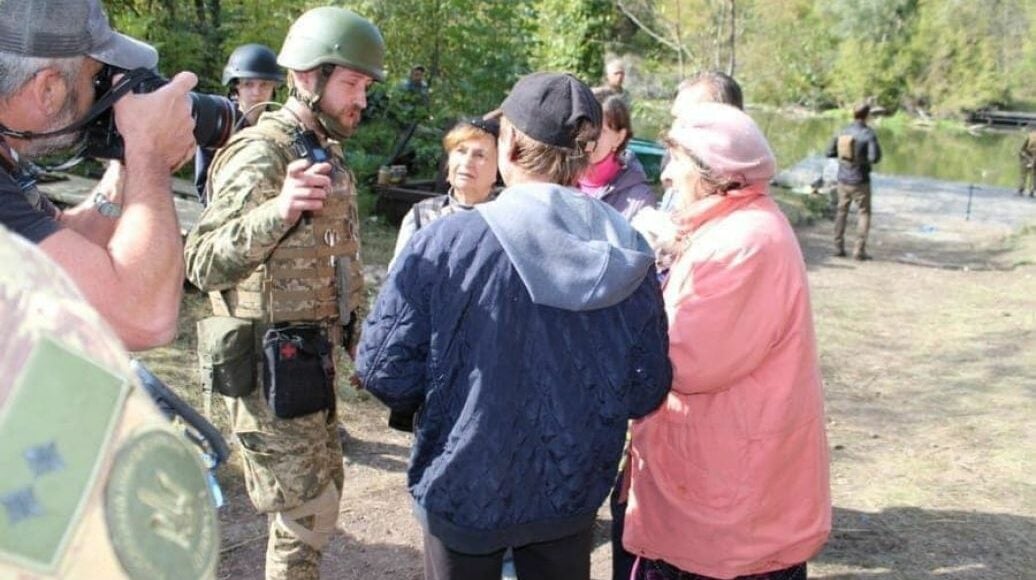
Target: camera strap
x,y
126,84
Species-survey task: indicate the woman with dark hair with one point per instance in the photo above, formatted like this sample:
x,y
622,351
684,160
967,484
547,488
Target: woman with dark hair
x,y
615,176
471,172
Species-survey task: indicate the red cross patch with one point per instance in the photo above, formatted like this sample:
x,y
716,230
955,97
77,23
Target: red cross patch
x,y
288,350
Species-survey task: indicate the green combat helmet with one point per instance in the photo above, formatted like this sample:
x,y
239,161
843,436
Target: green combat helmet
x,y
327,37
331,35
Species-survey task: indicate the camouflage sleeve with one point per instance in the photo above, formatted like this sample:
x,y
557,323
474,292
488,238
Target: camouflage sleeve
x,y
240,227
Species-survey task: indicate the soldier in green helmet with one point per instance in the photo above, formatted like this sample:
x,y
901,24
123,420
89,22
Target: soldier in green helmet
x,y
278,250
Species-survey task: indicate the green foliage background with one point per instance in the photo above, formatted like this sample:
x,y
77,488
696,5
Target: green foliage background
x,y
936,57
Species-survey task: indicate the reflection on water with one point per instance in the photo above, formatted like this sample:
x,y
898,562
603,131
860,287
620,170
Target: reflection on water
x,y
989,157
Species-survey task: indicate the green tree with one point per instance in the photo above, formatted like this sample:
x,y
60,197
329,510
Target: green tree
x,y
871,58
780,63
956,55
570,36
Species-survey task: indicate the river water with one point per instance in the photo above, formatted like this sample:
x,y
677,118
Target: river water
x,y
985,158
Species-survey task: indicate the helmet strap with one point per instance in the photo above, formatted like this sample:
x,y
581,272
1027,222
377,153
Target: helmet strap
x,y
331,126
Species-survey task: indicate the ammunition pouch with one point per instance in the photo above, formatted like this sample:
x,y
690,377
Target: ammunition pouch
x,y
226,355
298,370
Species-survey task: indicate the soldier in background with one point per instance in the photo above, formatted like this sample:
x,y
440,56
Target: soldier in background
x,y
278,248
1027,162
415,83
614,78
102,488
251,77
857,149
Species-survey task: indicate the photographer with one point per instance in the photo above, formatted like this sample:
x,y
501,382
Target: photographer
x,y
122,245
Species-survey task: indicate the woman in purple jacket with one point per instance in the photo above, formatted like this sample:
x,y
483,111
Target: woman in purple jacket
x,y
615,176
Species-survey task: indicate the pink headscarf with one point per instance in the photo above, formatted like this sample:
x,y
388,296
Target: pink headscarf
x,y
730,143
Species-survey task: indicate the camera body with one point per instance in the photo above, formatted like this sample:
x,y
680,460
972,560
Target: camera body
x,y
214,116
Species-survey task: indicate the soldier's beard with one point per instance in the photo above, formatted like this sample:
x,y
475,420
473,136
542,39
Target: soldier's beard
x,y
68,114
335,128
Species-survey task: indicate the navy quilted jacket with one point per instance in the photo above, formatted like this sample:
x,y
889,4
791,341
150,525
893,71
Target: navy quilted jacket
x,y
527,333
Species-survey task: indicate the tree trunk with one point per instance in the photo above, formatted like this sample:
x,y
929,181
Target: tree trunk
x,y
679,38
733,38
433,71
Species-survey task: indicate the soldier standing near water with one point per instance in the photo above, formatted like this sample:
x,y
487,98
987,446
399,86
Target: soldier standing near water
x,y
857,149
1027,160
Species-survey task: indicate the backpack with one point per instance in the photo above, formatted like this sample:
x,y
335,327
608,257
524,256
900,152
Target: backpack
x,y
846,148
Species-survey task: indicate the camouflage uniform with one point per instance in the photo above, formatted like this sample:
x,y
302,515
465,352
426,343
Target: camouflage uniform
x,y
102,488
293,467
1027,164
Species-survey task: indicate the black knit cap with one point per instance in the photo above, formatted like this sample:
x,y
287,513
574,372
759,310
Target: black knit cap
x,y
549,107
67,28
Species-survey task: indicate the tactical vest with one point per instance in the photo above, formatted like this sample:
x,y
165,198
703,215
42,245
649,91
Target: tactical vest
x,y
314,273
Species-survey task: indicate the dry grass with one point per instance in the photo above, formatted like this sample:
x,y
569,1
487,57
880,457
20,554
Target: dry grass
x,y
931,382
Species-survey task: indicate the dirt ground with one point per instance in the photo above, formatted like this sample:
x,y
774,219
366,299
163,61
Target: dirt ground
x,y
929,360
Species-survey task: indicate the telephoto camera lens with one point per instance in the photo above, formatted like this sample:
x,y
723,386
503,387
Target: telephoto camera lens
x,y
214,116
214,119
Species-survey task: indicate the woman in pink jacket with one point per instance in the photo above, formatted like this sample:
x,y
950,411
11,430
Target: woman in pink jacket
x,y
729,477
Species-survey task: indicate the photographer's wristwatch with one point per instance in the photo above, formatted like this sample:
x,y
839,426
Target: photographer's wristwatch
x,y
105,206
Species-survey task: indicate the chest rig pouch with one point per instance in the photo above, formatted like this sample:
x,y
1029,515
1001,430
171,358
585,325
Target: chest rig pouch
x,y
298,370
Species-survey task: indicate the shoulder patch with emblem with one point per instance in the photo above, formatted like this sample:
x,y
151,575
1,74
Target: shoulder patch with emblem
x,y
159,509
54,429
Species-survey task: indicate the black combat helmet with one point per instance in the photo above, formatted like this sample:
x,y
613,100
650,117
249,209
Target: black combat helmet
x,y
252,61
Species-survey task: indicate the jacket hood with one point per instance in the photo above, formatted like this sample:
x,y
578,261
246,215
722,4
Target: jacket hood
x,y
571,251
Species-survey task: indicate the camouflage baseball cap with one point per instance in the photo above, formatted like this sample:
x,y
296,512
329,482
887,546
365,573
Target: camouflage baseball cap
x,y
66,28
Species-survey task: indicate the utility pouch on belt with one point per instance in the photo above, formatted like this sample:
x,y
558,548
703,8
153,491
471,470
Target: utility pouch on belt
x,y
298,370
226,354
846,147
345,310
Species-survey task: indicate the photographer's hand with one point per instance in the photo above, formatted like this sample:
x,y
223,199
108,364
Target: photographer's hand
x,y
159,124
135,277
305,188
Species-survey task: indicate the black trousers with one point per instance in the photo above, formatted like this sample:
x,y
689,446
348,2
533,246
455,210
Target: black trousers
x,y
622,561
566,558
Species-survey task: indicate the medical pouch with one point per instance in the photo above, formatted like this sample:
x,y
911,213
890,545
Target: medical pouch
x,y
298,370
